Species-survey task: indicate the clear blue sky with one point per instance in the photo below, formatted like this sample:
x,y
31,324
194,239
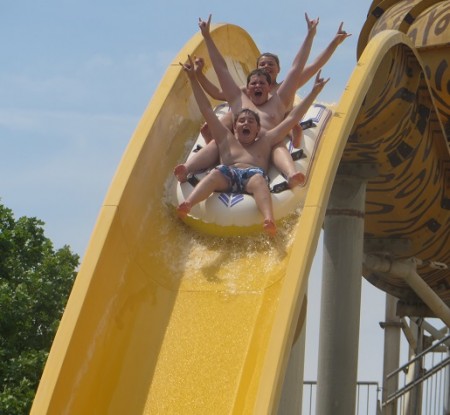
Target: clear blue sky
x,y
76,76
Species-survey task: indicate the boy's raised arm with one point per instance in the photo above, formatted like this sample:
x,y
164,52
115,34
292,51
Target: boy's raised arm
x,y
211,89
279,132
230,89
217,128
289,86
323,57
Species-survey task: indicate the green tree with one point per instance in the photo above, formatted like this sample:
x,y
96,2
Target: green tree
x,y
35,281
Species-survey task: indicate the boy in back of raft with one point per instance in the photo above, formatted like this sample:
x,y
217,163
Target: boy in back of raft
x,y
244,153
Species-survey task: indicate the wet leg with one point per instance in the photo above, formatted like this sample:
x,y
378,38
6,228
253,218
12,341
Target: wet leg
x,y
214,181
207,157
257,186
297,135
282,160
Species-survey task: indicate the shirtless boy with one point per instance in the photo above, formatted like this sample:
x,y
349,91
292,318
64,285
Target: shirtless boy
x,y
297,76
244,153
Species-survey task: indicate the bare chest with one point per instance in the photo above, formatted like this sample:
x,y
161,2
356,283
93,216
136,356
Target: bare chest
x,y
271,113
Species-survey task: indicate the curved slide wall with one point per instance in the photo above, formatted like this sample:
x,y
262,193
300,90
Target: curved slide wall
x,y
404,129
164,320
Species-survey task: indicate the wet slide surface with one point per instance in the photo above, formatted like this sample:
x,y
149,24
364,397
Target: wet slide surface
x,y
165,320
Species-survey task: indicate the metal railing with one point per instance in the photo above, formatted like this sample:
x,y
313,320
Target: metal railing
x,y
367,398
424,381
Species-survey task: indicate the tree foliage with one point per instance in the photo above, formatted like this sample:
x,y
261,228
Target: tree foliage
x,y
35,281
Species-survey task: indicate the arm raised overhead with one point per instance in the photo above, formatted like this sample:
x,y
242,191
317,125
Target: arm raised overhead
x,y
323,57
289,86
231,90
278,133
218,130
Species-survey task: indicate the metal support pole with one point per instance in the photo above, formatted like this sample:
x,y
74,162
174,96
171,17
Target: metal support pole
x,y
447,388
341,297
413,401
406,269
391,359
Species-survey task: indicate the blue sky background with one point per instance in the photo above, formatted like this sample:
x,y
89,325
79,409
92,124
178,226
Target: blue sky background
x,y
76,76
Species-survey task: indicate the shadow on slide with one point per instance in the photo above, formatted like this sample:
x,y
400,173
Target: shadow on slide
x,y
165,320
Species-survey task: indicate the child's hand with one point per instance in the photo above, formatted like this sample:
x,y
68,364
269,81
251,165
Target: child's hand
x,y
341,35
319,83
204,26
312,24
188,67
199,64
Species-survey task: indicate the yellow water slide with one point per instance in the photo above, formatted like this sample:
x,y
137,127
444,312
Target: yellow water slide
x,y
165,320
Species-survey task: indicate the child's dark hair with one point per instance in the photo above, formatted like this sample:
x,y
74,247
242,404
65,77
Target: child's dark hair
x,y
269,55
248,111
259,72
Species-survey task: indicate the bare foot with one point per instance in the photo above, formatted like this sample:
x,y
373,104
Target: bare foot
x,y
181,173
183,209
297,135
297,179
206,133
269,227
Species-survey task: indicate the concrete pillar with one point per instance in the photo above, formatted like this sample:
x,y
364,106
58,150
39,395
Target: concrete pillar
x,y
341,297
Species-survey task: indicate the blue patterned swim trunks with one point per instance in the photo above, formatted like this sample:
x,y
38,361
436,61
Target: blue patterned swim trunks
x,y
238,177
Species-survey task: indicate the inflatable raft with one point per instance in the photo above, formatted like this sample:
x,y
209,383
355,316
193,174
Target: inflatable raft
x,y
227,214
